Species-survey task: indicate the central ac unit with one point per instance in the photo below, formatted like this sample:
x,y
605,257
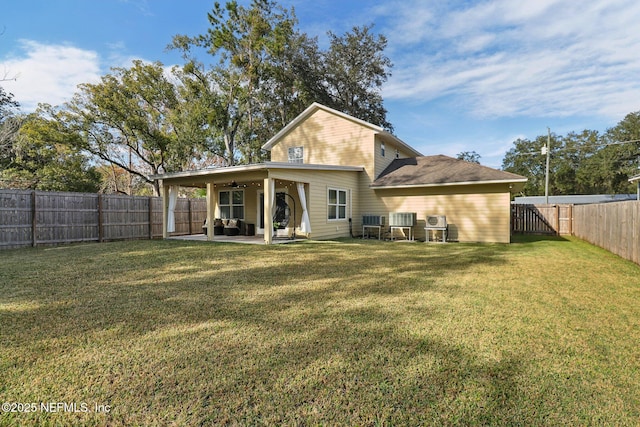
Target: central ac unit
x,y
402,219
373,220
436,221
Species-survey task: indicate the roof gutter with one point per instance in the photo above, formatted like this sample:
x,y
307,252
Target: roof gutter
x,y
447,184
256,167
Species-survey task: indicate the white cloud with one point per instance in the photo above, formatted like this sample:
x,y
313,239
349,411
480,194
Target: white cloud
x,y
504,59
49,73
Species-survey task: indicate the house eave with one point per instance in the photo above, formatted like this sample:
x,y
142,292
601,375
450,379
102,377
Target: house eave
x,y
391,137
448,184
254,167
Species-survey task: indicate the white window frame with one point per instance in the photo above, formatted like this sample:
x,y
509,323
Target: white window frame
x,y
337,204
231,204
382,149
295,154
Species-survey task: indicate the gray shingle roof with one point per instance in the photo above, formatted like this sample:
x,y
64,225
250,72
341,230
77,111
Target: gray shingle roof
x,y
440,170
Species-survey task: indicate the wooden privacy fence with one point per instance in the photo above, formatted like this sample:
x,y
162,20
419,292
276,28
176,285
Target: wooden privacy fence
x,y
542,219
31,218
612,226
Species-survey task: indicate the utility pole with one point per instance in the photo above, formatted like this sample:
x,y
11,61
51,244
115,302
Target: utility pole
x,y
547,149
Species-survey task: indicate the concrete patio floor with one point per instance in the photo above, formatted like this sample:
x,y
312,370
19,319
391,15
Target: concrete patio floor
x,y
247,240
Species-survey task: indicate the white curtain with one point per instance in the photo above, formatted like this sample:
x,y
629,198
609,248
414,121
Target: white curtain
x,y
173,201
305,222
272,191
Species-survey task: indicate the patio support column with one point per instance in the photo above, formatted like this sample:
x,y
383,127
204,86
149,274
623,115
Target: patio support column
x,y
268,216
164,193
211,209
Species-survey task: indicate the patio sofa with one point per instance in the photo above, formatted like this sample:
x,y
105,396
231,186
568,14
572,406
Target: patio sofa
x,y
227,227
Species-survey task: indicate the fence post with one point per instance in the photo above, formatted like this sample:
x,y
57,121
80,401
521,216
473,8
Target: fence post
x,y
190,216
570,220
150,217
34,219
557,220
100,220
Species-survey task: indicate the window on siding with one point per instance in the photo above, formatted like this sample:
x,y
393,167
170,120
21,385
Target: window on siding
x,y
382,149
337,204
231,204
296,155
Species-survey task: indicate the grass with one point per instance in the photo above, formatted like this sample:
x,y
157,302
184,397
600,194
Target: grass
x,y
539,332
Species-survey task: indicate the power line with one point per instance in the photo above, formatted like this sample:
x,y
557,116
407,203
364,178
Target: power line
x,y
619,142
534,153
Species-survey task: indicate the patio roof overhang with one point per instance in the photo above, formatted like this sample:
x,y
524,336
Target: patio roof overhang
x,y
636,179
199,178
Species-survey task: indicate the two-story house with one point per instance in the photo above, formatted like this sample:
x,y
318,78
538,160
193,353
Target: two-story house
x,y
328,169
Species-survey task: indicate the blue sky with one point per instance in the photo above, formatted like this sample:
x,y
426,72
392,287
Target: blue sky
x,y
467,75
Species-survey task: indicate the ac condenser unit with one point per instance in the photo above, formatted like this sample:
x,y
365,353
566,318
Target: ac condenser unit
x,y
373,220
402,219
436,221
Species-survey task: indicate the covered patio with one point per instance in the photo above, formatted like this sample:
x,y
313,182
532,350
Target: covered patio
x,y
269,201
245,240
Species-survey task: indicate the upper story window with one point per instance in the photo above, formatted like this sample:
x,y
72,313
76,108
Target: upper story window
x,y
397,154
382,149
296,155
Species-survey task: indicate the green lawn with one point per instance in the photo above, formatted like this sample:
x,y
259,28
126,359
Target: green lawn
x,y
539,332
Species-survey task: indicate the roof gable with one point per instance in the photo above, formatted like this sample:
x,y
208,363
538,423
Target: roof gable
x,y
308,112
440,170
313,108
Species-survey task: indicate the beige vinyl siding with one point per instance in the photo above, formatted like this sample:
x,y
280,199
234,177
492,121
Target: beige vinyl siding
x,y
381,163
474,213
250,202
328,139
318,184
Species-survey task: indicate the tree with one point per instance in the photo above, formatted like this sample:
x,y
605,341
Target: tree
x,y
569,160
241,40
134,120
7,104
355,68
9,125
469,156
580,163
525,159
621,154
265,73
44,158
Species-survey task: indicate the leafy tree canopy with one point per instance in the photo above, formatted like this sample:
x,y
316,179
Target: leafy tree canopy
x,y
469,156
580,163
135,119
265,72
43,158
9,125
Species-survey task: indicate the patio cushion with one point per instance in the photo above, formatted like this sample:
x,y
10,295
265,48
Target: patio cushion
x,y
232,227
